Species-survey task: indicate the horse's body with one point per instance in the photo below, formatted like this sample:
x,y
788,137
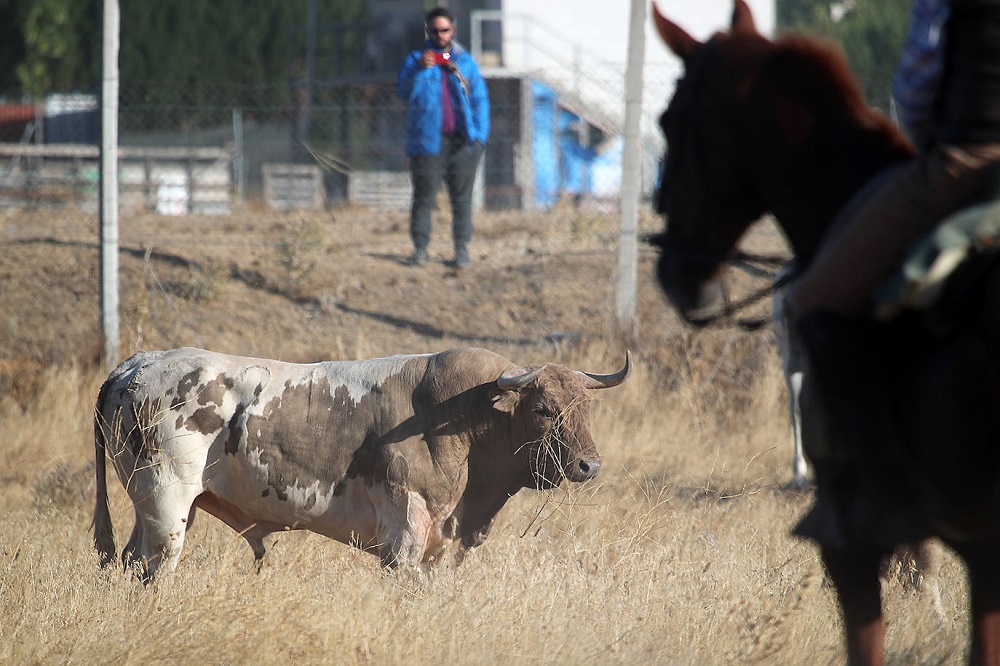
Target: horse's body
x,y
917,565
758,126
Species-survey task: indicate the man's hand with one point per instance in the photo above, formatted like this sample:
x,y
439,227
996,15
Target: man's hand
x,y
427,59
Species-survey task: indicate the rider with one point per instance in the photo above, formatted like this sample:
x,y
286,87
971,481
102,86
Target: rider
x,y
947,89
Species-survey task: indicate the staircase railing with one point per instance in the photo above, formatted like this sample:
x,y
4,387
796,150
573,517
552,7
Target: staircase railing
x,y
586,81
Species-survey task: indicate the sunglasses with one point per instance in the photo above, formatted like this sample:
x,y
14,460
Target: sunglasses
x,y
437,31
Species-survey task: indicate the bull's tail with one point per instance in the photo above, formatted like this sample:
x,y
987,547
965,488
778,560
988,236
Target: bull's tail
x,y
104,537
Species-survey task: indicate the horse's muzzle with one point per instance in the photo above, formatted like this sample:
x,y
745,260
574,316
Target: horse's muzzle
x,y
696,296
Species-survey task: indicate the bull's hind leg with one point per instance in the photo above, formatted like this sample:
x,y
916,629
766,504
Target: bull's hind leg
x,y
855,574
164,519
984,584
130,556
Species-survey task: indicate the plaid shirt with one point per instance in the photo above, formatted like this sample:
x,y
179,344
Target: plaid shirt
x,y
917,85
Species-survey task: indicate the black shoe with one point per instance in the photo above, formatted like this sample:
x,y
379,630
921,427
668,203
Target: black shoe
x,y
418,258
461,257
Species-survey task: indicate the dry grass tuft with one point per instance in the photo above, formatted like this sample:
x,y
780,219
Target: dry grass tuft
x,y
20,380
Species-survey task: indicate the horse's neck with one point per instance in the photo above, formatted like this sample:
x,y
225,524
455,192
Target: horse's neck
x,y
819,153
820,179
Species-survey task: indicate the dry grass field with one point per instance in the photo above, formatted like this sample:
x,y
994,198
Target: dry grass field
x,y
678,554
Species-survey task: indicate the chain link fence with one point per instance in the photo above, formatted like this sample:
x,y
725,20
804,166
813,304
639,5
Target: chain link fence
x,y
556,136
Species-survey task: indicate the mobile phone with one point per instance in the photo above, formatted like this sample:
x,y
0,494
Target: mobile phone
x,y
441,58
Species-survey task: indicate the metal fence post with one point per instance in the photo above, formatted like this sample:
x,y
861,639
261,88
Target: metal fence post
x,y
239,164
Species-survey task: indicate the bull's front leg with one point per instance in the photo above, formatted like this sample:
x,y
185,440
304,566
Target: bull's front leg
x,y
404,525
855,576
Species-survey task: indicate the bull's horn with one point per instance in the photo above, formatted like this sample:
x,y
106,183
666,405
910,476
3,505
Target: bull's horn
x,y
516,379
608,381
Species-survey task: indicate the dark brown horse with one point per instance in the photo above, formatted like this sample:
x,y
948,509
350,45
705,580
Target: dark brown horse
x,y
759,126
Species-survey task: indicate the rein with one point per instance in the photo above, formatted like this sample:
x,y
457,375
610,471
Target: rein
x,y
750,263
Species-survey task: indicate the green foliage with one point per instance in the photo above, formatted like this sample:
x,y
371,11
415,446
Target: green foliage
x,y
11,41
297,255
803,15
871,33
60,51
206,280
55,45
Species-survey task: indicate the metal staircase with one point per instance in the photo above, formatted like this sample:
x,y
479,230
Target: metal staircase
x,y
587,83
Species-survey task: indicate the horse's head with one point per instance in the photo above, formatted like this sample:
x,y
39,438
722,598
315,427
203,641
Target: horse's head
x,y
707,192
757,126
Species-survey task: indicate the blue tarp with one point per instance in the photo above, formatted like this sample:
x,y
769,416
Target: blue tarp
x,y
543,149
563,164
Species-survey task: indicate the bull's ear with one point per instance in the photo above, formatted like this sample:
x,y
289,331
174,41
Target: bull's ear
x,y
742,18
675,37
506,401
511,383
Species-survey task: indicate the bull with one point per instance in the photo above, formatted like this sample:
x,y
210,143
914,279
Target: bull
x,y
407,457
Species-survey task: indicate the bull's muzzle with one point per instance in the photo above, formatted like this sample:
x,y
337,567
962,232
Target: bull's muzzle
x,y
583,469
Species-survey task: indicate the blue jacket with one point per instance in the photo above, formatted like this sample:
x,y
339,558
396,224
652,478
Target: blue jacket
x,y
422,89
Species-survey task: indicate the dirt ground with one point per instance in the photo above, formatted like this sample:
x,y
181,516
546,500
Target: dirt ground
x,y
327,285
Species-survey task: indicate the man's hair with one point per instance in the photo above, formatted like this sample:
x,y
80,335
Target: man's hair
x,y
439,12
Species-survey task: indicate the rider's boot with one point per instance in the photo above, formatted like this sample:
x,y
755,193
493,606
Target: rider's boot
x,y
848,375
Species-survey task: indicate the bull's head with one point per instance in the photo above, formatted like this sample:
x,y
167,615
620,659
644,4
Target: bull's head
x,y
551,407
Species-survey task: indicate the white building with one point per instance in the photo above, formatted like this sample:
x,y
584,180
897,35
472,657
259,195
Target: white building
x,y
580,50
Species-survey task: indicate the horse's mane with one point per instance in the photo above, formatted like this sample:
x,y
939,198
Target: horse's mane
x,y
826,58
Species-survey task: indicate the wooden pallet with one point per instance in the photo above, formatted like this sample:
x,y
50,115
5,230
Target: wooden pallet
x,y
294,187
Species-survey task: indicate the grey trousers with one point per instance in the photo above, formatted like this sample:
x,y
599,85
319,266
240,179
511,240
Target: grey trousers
x,y
456,165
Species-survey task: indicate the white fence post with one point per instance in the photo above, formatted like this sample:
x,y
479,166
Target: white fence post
x,y
631,188
109,183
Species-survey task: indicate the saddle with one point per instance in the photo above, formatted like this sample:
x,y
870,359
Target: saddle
x,y
942,274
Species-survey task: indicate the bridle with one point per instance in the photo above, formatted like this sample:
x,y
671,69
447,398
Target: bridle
x,y
754,264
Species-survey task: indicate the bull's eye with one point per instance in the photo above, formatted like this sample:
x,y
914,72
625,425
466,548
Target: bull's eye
x,y
545,411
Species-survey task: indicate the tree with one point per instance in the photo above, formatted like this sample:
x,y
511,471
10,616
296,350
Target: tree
x,y
803,15
871,32
55,45
872,35
61,46
11,42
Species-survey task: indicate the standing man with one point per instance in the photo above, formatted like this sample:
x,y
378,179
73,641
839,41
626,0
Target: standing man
x,y
447,128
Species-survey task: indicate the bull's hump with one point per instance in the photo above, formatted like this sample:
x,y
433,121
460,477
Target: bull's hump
x,y
360,378
191,368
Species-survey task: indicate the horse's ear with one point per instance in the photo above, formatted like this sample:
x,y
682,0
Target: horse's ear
x,y
742,18
677,40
